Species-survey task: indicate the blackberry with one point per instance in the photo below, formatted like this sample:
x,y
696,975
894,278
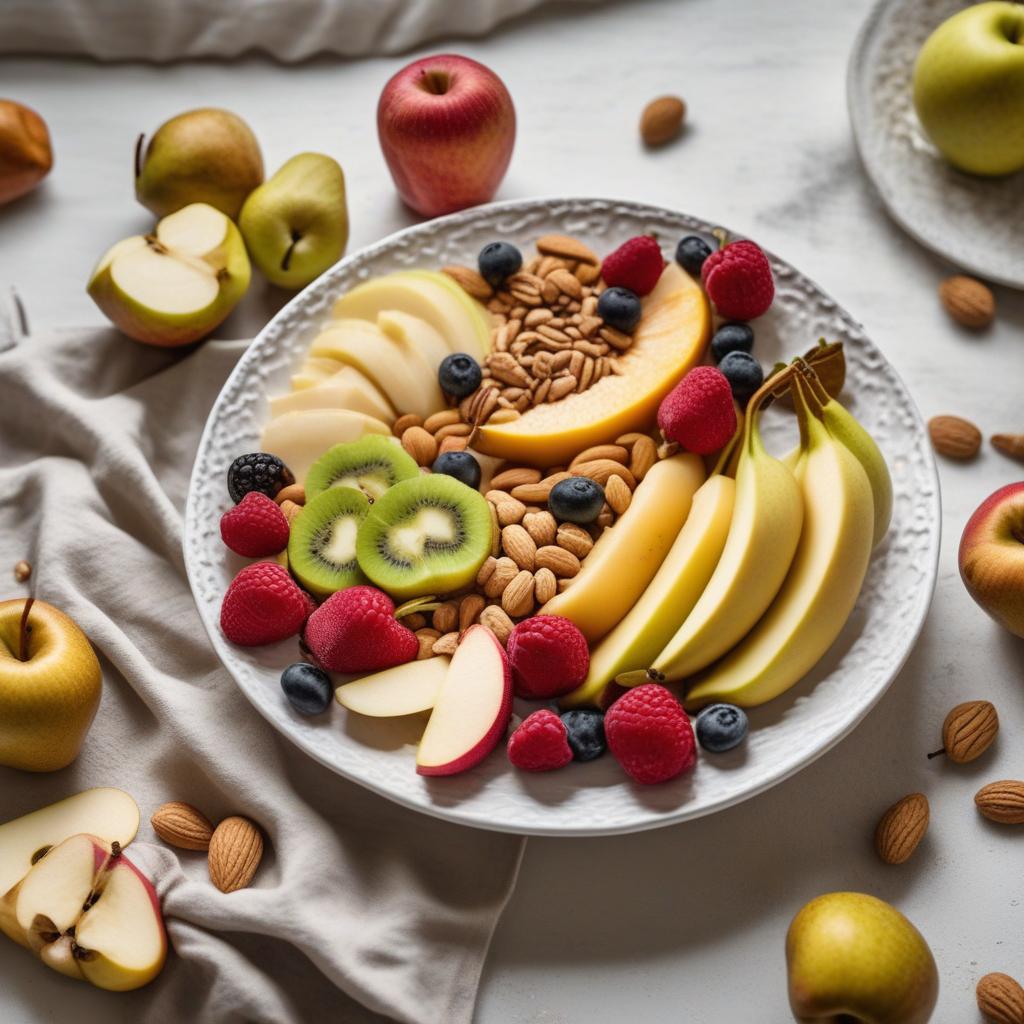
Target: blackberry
x,y
257,471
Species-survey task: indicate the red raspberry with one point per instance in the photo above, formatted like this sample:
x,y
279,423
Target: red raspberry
x,y
698,412
549,657
739,281
355,630
255,527
540,743
649,735
263,605
636,265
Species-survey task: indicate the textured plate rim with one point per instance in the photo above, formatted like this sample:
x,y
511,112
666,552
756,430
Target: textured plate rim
x,y
667,818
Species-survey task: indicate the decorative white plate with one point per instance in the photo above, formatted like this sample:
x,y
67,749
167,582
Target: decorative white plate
x,y
594,798
976,223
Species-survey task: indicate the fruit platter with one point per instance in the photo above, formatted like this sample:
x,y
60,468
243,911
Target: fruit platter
x,y
564,517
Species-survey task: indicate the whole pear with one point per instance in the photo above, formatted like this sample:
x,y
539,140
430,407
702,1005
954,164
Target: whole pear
x,y
25,154
853,957
202,156
295,224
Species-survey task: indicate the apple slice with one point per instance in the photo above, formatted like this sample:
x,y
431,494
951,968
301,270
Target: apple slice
x,y
346,389
416,334
472,708
110,814
403,690
314,371
299,438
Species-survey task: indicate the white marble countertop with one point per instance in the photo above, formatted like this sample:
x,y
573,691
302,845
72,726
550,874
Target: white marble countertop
x,y
686,923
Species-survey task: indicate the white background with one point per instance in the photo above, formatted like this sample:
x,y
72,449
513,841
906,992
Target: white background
x,y
687,923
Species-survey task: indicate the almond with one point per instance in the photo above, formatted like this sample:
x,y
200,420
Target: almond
x,y
968,731
446,643
662,120
495,619
541,526
403,423
236,848
509,478
446,617
420,445
461,430
643,456
505,571
901,829
453,444
561,562
444,418
599,470
519,546
970,303
566,248
517,598
486,570
509,509
1002,801
545,585
181,825
1009,444
293,492
469,609
23,570
617,494
575,539
470,281
615,452
954,437
1000,999
414,621
531,493
290,510
427,638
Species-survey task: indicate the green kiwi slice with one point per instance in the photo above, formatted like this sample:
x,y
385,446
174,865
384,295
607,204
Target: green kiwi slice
x,y
425,536
371,465
322,542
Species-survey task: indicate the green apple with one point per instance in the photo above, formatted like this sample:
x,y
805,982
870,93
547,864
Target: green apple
x,y
969,88
296,223
176,285
202,156
854,958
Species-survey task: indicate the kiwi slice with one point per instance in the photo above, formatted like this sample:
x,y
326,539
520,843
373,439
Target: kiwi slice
x,y
322,543
371,465
429,535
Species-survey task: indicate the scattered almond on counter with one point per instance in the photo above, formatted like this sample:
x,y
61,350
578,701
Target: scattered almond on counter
x,y
954,437
181,825
1002,801
236,849
902,828
1000,999
22,571
662,120
970,303
968,731
1009,444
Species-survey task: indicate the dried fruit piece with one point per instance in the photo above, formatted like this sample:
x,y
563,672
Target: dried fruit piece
x,y
902,828
181,825
1000,999
970,303
968,731
954,437
1002,801
236,848
662,120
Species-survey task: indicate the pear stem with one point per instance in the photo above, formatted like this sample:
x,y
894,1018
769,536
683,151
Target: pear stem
x,y
138,153
936,753
23,630
287,258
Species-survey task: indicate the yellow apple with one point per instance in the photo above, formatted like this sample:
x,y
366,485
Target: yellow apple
x,y
50,684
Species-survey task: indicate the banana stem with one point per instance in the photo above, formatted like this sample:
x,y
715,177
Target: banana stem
x,y
800,406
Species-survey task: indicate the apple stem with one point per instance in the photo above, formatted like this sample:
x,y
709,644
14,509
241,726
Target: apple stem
x,y
23,630
115,850
936,753
287,258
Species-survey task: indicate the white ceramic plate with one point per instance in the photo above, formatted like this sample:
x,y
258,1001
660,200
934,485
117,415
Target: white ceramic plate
x,y
976,223
594,798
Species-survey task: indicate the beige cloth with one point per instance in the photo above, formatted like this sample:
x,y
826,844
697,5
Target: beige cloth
x,y
362,910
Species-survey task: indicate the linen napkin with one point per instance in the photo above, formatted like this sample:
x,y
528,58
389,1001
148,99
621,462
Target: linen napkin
x,y
361,910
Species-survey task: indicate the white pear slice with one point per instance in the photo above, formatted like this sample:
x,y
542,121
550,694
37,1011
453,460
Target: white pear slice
x,y
416,334
347,389
403,374
403,690
299,438
314,371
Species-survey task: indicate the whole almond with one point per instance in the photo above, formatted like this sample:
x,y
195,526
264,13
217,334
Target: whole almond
x,y
505,571
236,848
599,470
575,539
662,120
970,303
617,494
446,616
495,619
453,444
460,430
517,598
444,418
901,828
486,570
509,510
561,562
615,452
403,423
293,492
181,825
1000,999
509,478
541,526
1002,801
470,281
643,456
1009,444
519,546
427,638
954,437
446,644
566,248
470,608
545,585
420,445
414,621
968,731
533,493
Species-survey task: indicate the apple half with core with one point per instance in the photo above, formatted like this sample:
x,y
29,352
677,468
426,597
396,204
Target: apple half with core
x,y
447,127
854,959
471,709
992,557
50,683
176,285
88,912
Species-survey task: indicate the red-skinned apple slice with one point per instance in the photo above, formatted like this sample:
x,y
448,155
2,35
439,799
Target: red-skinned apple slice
x,y
472,708
403,690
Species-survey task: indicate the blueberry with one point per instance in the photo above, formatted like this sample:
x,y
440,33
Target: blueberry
x,y
460,465
257,471
459,375
721,727
733,337
307,688
619,308
498,260
691,252
576,500
585,728
744,374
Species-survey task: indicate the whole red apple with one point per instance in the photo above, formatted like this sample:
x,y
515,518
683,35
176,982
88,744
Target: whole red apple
x,y
992,556
447,126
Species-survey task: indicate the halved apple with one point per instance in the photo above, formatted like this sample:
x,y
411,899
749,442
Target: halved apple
x,y
404,690
299,438
89,913
346,389
415,334
472,707
176,285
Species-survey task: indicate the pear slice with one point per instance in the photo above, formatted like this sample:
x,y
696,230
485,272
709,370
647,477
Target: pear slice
x,y
314,371
346,389
416,334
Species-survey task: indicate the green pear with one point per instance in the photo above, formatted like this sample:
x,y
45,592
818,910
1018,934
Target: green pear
x,y
296,223
176,285
202,156
852,957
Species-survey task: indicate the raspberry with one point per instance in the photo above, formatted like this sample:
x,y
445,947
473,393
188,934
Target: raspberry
x,y
262,605
739,281
636,265
540,743
698,413
548,655
255,527
355,630
649,735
